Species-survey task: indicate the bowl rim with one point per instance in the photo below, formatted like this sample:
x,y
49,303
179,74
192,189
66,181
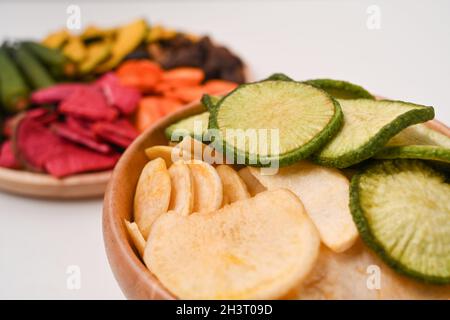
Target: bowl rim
x,y
115,236
116,241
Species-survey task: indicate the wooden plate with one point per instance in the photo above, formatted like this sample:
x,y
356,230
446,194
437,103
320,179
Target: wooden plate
x,y
40,185
135,280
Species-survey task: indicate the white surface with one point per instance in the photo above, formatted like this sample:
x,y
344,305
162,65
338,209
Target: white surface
x,y
408,58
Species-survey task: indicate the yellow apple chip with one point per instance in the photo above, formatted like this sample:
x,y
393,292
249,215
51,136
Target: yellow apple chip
x,y
325,195
200,151
182,194
234,187
258,248
359,274
152,194
207,186
136,236
169,154
253,184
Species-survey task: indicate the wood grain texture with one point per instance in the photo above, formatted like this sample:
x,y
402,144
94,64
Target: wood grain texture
x,y
40,185
135,280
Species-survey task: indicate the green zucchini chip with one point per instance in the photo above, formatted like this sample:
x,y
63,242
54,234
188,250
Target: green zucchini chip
x,y
304,118
188,127
419,134
432,153
278,77
402,211
340,89
209,102
417,142
368,126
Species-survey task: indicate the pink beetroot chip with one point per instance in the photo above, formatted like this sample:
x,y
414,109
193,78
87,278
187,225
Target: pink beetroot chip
x,y
35,143
56,93
85,139
76,159
124,98
88,103
7,156
41,149
8,126
121,132
44,116
81,126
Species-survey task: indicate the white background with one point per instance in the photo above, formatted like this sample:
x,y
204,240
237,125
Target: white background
x,y
408,58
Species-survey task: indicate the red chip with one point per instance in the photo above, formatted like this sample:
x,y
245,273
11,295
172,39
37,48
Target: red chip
x,y
35,143
65,131
88,103
124,98
55,93
76,159
121,132
7,157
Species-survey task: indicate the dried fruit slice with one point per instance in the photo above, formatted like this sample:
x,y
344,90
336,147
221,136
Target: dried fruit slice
x,y
125,99
368,125
359,274
420,134
242,251
433,153
253,185
120,132
74,159
56,93
194,126
209,101
152,195
136,236
279,77
208,190
65,131
34,143
247,118
182,194
234,188
325,195
200,151
88,103
417,142
402,211
341,89
7,156
169,154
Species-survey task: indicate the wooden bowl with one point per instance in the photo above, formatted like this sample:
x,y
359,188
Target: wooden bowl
x,y
135,280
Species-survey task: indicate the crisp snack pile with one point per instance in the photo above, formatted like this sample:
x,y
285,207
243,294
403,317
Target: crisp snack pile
x,y
358,207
